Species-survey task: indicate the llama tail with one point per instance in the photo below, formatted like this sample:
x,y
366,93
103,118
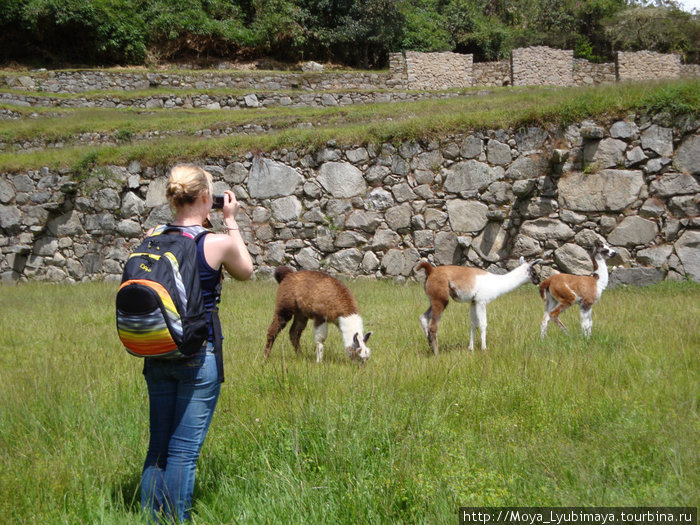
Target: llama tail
x,y
281,272
544,286
425,266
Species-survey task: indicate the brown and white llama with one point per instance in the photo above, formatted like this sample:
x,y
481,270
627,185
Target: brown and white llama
x,y
468,285
315,295
563,289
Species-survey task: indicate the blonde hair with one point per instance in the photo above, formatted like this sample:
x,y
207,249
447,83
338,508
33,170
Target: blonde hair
x,y
187,182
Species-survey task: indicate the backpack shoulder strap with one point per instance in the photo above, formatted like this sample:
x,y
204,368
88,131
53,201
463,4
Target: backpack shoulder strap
x,y
158,230
193,232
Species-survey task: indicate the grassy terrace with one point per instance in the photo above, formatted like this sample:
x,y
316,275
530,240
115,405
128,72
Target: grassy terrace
x,y
358,124
63,124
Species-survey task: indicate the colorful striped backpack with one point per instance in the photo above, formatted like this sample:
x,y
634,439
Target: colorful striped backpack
x,y
160,312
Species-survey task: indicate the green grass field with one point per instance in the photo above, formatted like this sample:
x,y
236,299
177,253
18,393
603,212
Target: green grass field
x,y
406,438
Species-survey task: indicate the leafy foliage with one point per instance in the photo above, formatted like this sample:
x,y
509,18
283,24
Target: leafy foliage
x,y
657,28
353,32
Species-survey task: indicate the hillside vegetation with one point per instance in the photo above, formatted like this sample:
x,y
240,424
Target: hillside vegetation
x,y
51,33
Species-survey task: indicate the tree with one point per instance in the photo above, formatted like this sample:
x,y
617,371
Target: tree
x,y
360,32
661,29
425,27
473,31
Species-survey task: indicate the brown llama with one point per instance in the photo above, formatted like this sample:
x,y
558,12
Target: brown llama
x,y
563,289
307,294
471,285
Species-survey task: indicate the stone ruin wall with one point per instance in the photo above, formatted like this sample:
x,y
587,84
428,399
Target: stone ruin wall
x,y
542,66
481,199
586,73
397,69
647,65
690,70
433,71
490,74
94,80
528,66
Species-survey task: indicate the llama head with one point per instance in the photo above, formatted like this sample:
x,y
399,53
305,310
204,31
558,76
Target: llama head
x,y
601,248
531,272
359,349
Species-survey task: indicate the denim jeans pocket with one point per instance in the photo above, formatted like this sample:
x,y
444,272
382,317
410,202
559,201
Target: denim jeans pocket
x,y
196,369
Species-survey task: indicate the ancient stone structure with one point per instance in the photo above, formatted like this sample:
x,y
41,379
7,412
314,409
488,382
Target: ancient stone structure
x,y
96,80
647,65
542,66
482,199
491,73
220,101
414,71
690,70
586,73
433,70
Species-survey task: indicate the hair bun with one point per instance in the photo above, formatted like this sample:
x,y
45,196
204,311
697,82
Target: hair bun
x,y
186,183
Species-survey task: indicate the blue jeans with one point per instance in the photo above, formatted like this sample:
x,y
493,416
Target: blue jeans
x,y
183,394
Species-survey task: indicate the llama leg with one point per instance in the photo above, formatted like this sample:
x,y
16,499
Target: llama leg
x,y
549,305
425,319
555,316
437,308
320,334
543,326
279,321
481,317
297,328
474,321
586,320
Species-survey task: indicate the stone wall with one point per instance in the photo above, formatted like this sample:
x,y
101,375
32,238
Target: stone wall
x,y
482,199
491,73
541,66
430,71
397,70
586,73
414,71
438,70
95,80
220,101
690,70
647,65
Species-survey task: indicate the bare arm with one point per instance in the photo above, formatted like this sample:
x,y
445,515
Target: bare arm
x,y
229,248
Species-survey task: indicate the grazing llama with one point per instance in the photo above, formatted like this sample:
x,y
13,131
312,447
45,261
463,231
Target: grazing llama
x,y
314,295
472,285
563,289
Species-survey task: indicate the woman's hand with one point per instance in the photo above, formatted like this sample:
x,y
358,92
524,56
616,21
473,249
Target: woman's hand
x,y
231,207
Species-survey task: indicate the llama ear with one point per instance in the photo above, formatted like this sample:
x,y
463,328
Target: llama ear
x,y
536,261
356,340
367,336
522,260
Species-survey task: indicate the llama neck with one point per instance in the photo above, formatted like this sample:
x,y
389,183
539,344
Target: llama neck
x,y
349,326
494,285
601,272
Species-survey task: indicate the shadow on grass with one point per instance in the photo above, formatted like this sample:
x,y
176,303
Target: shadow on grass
x,y
127,493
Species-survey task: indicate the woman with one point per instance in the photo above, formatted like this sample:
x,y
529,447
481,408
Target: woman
x,y
183,392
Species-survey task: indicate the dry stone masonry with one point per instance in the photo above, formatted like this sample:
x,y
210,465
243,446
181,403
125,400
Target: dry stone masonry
x,y
433,70
482,199
647,65
539,65
92,80
225,101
